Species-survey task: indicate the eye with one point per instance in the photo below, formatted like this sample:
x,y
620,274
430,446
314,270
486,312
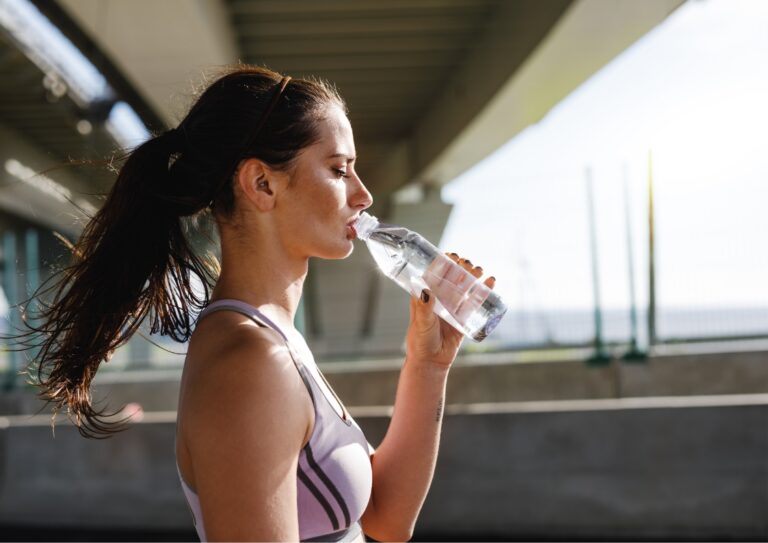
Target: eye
x,y
340,173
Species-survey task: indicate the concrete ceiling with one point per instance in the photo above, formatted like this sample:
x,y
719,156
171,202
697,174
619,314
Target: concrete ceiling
x,y
433,86
400,64
38,133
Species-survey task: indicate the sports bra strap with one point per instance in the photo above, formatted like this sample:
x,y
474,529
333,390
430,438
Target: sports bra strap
x,y
240,307
262,320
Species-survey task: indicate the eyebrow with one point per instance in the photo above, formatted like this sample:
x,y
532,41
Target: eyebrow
x,y
343,155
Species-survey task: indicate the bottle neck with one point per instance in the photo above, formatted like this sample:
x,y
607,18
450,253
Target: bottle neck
x,y
365,225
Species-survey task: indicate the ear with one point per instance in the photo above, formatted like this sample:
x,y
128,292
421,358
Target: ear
x,y
256,181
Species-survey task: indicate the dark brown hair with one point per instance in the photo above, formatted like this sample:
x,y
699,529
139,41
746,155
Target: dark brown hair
x,y
134,260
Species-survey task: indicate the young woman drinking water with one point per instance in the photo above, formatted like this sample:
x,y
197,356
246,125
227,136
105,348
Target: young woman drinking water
x,y
265,450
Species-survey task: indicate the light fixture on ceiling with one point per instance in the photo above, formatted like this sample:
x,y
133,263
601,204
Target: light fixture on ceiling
x,y
67,70
52,52
125,126
84,127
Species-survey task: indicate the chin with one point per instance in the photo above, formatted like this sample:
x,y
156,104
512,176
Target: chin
x,y
338,252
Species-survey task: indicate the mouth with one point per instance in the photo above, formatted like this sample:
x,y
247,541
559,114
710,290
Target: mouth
x,y
351,233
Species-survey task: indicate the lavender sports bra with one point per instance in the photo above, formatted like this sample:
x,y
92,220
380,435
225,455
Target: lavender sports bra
x,y
334,472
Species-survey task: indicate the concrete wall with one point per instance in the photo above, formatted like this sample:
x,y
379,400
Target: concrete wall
x,y
676,448
476,378
666,473
639,471
499,378
67,481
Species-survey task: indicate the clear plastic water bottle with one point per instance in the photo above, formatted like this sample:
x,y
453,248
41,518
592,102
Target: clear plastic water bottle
x,y
462,299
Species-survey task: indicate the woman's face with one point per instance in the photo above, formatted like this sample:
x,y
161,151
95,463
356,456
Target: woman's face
x,y
325,194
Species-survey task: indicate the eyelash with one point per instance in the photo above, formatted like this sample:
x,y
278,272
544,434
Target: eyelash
x,y
340,173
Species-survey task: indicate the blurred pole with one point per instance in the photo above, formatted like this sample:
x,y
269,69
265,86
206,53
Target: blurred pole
x,y
32,262
10,286
633,353
651,259
600,357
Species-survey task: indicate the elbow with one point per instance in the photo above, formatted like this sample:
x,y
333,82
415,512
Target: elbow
x,y
388,523
401,534
390,535
388,532
405,535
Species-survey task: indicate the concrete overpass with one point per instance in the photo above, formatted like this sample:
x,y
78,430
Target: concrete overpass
x,y
551,449
433,87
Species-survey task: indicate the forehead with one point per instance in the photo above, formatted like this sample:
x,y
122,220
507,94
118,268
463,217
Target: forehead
x,y
335,133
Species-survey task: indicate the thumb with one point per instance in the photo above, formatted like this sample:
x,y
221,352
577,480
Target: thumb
x,y
423,310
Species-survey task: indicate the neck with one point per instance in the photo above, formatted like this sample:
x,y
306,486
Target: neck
x,y
261,274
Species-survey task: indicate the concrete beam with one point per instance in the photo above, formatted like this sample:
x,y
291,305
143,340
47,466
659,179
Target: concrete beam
x,y
160,46
33,197
477,112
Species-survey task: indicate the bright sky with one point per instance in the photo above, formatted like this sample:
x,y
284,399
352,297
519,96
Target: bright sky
x,y
695,92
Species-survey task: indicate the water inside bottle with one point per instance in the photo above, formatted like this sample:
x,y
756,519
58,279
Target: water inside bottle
x,y
461,300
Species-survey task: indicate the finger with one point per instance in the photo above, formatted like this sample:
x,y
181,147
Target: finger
x,y
422,307
444,270
490,282
464,263
477,271
423,301
427,299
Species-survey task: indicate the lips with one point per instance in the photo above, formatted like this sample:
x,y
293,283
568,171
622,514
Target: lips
x,y
351,233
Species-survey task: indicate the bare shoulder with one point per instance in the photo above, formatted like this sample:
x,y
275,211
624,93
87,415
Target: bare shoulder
x,y
244,416
239,371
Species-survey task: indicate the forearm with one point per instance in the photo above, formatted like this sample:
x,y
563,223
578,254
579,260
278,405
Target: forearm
x,y
404,463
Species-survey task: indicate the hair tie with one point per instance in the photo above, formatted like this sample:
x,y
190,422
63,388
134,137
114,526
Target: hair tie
x,y
278,92
176,139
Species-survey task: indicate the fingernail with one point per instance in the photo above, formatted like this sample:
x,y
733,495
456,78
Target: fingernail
x,y
453,254
468,261
480,269
492,278
424,296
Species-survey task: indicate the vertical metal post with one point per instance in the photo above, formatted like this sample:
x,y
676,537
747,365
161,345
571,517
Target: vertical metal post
x,y
600,357
10,286
651,259
32,264
633,353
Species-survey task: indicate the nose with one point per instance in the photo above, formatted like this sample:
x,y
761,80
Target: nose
x,y
360,197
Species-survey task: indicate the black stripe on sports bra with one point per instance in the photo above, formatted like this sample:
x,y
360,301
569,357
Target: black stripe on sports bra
x,y
329,484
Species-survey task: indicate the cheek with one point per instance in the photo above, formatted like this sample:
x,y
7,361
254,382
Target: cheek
x,y
332,198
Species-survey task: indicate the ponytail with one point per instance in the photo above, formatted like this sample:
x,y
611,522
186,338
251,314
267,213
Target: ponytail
x,y
132,262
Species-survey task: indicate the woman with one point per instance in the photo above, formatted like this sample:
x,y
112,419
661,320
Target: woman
x,y
264,449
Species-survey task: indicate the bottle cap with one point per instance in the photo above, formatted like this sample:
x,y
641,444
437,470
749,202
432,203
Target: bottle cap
x,y
364,225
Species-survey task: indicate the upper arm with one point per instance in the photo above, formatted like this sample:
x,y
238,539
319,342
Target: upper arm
x,y
250,422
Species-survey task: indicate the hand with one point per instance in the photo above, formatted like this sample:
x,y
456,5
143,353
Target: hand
x,y
431,340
